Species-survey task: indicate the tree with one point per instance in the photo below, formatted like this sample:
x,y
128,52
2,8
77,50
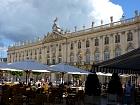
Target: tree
x,y
37,74
16,73
115,86
92,85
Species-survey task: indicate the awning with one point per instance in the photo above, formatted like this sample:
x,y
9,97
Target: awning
x,y
126,63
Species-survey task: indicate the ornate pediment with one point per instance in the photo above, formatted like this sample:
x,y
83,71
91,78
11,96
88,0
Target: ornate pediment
x,y
54,36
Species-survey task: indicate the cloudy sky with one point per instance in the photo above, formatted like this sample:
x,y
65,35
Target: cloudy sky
x,y
22,20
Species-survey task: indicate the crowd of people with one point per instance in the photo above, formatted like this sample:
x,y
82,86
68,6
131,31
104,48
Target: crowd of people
x,y
46,91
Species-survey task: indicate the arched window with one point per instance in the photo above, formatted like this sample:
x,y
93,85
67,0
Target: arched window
x,y
48,49
117,52
97,55
87,56
117,38
60,47
87,43
106,54
96,42
71,58
106,40
129,36
79,57
79,45
59,59
130,47
72,45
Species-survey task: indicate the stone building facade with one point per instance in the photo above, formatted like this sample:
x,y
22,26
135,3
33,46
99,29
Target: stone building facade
x,y
83,47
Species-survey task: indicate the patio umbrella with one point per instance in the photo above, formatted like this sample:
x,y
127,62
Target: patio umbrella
x,y
65,68
6,67
30,65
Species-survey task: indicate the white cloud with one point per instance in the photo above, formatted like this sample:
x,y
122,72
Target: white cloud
x,y
25,19
104,9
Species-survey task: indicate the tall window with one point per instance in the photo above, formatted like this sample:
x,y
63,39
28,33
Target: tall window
x,y
53,61
48,49
106,40
71,58
87,56
48,61
106,54
97,56
96,42
117,38
130,47
40,51
87,43
72,45
79,45
79,57
117,52
129,36
60,47
59,59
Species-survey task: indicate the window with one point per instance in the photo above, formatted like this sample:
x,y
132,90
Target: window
x,y
40,51
96,42
97,55
130,47
79,57
88,58
117,52
71,47
71,58
48,61
27,53
117,38
106,40
60,47
53,61
35,52
79,45
59,60
48,49
129,36
106,54
87,43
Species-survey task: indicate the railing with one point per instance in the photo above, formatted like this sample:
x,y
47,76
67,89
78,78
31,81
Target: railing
x,y
93,29
105,26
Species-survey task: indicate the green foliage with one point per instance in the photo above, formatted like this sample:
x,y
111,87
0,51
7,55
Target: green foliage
x,y
77,76
36,73
16,73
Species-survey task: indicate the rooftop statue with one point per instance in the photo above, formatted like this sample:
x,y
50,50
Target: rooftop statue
x,y
55,27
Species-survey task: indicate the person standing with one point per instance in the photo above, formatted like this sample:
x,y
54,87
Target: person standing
x,y
128,93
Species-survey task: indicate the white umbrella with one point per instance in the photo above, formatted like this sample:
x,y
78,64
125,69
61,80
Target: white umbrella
x,y
6,67
65,68
30,65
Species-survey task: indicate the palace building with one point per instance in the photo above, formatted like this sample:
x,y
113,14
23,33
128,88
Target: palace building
x,y
81,48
